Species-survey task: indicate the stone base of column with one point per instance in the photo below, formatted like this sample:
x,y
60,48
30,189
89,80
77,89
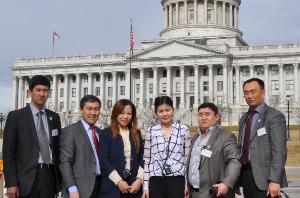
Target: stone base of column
x,y
195,106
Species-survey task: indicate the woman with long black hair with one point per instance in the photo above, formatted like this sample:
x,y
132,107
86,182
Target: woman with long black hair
x,y
121,154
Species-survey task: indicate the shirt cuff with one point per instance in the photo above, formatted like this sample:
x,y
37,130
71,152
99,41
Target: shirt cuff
x,y
72,189
140,173
115,177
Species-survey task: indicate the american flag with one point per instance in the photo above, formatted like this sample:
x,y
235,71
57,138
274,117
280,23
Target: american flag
x,y
131,38
55,35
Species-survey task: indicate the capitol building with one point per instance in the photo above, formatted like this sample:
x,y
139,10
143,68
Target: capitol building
x,y
200,56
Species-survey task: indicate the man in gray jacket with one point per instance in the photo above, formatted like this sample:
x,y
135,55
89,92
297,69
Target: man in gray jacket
x,y
262,143
213,159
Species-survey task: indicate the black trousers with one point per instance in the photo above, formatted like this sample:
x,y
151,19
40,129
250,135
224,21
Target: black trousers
x,y
44,185
166,187
250,189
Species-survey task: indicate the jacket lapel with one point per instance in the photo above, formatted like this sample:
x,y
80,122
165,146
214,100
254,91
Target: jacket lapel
x,y
241,129
29,119
210,143
50,125
85,135
260,122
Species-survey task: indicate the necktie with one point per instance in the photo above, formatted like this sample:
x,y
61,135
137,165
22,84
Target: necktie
x,y
95,140
43,139
247,133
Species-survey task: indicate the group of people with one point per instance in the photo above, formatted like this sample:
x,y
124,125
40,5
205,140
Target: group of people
x,y
83,161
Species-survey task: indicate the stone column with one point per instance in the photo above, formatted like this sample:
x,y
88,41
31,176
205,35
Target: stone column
x,y
90,85
170,15
215,12
251,68
182,88
102,89
169,81
165,13
128,92
195,12
20,92
142,80
205,12
78,92
266,81
177,13
196,88
296,81
186,12
114,87
281,80
54,92
230,85
224,13
237,82
210,83
231,16
155,81
235,18
66,93
225,84
14,94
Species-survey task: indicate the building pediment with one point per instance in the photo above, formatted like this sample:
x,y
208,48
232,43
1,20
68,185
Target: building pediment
x,y
175,48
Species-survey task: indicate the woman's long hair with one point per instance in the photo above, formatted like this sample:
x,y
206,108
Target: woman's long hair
x,y
132,125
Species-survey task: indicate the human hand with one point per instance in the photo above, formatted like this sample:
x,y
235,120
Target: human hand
x,y
145,193
13,192
74,194
186,192
222,189
273,189
123,186
135,186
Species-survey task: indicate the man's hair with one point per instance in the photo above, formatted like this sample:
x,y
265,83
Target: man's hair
x,y
160,100
259,81
39,80
89,98
209,105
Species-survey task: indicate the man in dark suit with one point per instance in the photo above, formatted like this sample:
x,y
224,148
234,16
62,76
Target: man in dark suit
x,y
30,146
262,143
213,160
79,152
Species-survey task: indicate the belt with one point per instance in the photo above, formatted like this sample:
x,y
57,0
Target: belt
x,y
43,165
195,189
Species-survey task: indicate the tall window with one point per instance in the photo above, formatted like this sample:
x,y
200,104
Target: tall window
x,y
259,70
122,90
205,71
122,76
205,86
61,92
192,72
205,99
164,73
150,88
274,85
137,88
177,72
85,91
97,78
220,85
73,105
73,79
191,13
290,85
289,69
137,75
97,91
109,91
210,13
150,74
50,93
245,71
177,86
274,69
73,92
192,86
61,106
109,77
220,71
85,78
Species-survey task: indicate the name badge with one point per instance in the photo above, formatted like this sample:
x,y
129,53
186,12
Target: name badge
x,y
206,153
261,131
54,132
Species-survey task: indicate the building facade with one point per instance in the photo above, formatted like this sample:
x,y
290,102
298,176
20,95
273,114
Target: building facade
x,y
200,56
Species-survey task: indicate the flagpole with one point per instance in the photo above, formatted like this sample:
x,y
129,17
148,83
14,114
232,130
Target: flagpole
x,y
130,56
53,44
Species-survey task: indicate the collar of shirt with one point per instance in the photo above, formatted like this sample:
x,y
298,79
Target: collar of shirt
x,y
36,110
259,108
85,125
208,131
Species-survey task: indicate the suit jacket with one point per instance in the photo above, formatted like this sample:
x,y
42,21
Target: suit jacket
x,y
268,152
112,158
21,148
77,159
223,165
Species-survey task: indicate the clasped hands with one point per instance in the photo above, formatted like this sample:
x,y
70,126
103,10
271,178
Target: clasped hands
x,y
125,188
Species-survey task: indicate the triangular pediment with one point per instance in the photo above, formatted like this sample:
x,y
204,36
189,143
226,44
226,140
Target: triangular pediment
x,y
176,48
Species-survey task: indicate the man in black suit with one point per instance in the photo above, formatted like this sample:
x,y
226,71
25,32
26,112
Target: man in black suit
x,y
30,146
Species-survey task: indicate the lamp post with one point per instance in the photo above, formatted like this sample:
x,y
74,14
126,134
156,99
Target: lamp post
x,y
2,119
288,119
191,110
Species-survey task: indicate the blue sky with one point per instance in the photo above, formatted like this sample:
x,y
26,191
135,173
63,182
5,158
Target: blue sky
x,y
95,27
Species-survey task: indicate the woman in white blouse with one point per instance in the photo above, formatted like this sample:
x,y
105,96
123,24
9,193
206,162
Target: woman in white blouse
x,y
165,152
121,154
